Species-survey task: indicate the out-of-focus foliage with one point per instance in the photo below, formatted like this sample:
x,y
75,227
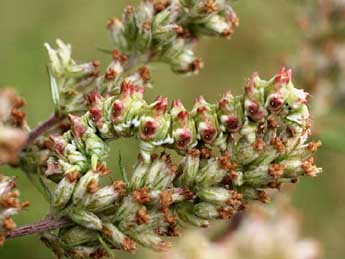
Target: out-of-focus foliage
x,y
267,29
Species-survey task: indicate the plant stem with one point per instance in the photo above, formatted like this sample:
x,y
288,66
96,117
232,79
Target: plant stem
x,y
39,227
44,127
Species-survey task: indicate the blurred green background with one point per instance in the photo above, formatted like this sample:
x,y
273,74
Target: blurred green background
x,y
267,33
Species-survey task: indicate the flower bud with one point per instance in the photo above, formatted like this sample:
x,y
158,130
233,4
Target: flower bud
x,y
230,112
64,190
206,121
211,173
128,208
78,236
83,186
117,33
181,57
185,213
139,174
127,109
117,238
215,195
154,127
85,218
190,168
206,210
152,241
183,132
102,199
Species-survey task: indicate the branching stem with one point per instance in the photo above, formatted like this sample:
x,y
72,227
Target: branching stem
x,y
39,227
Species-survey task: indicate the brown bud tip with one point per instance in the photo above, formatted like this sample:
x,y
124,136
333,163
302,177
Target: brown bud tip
x,y
92,186
313,146
73,176
142,217
103,169
276,170
141,196
120,187
278,144
128,245
259,145
225,212
165,198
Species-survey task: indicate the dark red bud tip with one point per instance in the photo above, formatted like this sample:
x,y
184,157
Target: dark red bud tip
x,y
255,112
275,102
182,116
77,127
59,144
94,97
161,104
284,76
200,99
223,103
184,139
208,134
149,128
233,124
118,107
116,54
177,104
96,114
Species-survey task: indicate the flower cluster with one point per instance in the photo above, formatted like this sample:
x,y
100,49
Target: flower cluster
x,y
320,67
166,30
232,152
264,233
13,132
160,31
9,205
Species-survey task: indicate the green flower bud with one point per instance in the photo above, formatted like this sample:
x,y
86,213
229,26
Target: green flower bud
x,y
139,174
230,113
117,238
102,199
78,235
185,213
82,188
64,190
85,218
117,33
215,195
206,210
206,121
211,173
181,58
130,26
190,168
128,208
154,127
151,240
183,132
161,173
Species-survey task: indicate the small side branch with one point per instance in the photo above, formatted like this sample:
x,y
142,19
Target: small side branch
x,y
39,227
52,121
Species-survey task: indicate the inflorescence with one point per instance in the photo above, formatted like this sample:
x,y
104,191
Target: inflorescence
x,y
231,152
